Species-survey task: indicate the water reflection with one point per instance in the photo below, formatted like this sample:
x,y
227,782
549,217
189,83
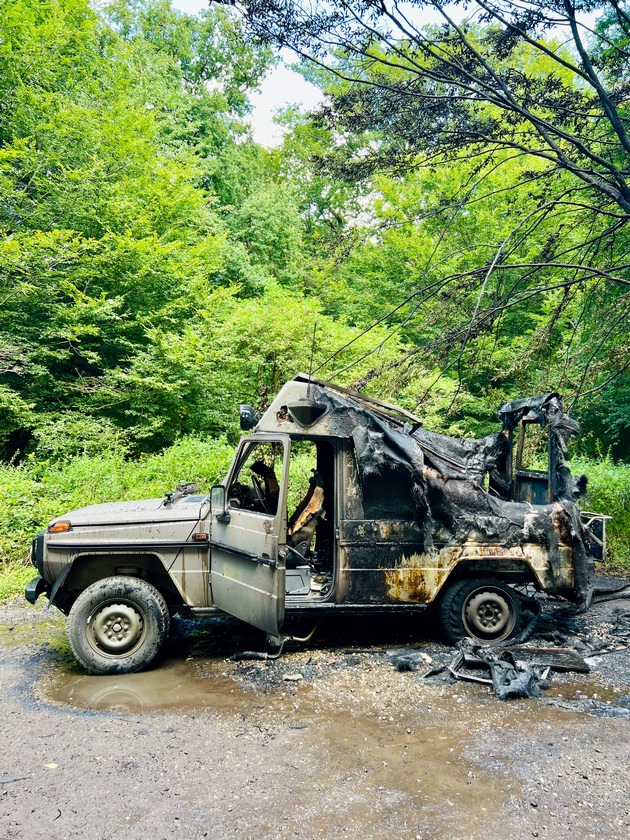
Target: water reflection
x,y
172,685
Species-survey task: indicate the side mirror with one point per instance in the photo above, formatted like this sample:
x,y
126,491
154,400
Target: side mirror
x,y
217,503
248,417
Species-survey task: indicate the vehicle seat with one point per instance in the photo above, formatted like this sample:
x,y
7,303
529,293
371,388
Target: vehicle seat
x,y
304,521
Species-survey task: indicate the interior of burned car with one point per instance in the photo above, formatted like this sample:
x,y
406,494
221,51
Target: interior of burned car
x,y
310,529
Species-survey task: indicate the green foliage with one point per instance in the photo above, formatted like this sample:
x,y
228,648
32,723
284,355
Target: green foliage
x,y
239,350
157,267
269,225
608,492
105,227
13,579
64,436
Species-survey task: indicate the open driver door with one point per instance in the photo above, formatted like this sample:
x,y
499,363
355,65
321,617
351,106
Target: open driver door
x,y
248,534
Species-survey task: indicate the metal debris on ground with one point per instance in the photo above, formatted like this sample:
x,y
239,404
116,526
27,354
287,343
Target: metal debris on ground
x,y
511,677
557,659
515,671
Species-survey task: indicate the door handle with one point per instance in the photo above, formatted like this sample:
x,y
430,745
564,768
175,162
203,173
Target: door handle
x,y
265,561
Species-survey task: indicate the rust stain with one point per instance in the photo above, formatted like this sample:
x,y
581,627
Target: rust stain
x,y
561,524
473,550
419,577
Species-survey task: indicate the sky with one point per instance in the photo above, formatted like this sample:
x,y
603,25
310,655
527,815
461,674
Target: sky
x,y
283,86
280,87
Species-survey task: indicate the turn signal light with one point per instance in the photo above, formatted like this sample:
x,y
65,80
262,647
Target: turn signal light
x,y
200,537
59,527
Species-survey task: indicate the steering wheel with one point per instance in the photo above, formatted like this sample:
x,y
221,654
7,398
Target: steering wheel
x,y
260,495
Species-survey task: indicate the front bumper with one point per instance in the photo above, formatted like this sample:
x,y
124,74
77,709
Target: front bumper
x,y
37,552
36,588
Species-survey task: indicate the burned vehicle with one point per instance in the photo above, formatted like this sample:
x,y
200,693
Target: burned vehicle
x,y
335,503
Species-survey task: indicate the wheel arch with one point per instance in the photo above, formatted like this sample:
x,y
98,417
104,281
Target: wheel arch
x,y
514,571
85,569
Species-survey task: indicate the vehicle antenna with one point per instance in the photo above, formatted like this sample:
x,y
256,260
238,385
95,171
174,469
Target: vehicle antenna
x,y
310,364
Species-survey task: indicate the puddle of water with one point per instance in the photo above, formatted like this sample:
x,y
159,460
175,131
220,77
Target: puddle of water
x,y
172,685
409,771
412,768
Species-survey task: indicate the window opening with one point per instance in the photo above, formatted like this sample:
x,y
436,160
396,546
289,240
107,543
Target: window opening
x,y
256,485
532,448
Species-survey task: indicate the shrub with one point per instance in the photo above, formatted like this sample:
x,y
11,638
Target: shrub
x,y
608,492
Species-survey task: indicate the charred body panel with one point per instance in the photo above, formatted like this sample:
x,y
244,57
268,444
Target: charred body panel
x,y
436,484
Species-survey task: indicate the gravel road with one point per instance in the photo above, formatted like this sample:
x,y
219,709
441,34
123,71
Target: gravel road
x,y
330,741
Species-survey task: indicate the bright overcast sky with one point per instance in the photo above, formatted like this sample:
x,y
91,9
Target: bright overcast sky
x,y
281,87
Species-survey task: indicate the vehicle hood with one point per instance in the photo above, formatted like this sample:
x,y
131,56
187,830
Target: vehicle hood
x,y
137,512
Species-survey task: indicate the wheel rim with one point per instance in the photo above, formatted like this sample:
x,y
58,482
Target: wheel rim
x,y
116,629
489,614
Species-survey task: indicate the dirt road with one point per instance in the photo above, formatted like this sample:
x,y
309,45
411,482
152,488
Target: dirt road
x,y
330,741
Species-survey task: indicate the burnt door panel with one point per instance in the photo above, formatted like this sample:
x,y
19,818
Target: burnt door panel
x,y
383,562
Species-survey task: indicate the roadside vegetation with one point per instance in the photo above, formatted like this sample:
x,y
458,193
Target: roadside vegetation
x,y
158,267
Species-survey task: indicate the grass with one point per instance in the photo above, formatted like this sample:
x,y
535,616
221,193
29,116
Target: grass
x,y
13,579
608,492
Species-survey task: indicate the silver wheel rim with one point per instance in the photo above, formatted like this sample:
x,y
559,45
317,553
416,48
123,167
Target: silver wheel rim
x,y
115,629
488,614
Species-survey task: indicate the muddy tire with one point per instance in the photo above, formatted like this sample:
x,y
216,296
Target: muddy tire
x,y
484,610
118,625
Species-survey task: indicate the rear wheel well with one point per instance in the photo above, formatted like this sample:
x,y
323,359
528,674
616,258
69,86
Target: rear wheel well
x,y
516,574
90,568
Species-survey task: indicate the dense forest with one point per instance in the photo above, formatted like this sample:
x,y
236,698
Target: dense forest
x,y
449,231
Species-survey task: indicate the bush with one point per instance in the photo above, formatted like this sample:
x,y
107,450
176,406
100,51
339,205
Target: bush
x,y
67,435
608,492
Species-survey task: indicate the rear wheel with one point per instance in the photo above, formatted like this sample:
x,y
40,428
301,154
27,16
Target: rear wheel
x,y
484,610
118,625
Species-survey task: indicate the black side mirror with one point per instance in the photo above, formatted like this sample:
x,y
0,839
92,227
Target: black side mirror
x,y
248,417
217,503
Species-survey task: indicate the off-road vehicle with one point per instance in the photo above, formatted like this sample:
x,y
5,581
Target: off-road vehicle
x,y
334,503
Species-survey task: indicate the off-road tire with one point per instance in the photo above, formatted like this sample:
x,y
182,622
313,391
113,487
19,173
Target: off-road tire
x,y
485,610
118,625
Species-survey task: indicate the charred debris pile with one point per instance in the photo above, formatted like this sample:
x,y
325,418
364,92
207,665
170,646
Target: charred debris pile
x,y
564,641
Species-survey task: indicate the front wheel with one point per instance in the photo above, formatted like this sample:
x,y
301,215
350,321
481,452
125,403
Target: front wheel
x,y
484,610
118,625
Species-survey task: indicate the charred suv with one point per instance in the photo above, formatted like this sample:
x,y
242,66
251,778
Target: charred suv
x,y
335,502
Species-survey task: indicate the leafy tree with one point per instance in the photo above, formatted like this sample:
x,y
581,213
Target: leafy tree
x,y
191,380
492,81
523,108
106,226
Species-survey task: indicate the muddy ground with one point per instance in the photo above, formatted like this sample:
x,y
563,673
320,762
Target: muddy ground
x,y
330,741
